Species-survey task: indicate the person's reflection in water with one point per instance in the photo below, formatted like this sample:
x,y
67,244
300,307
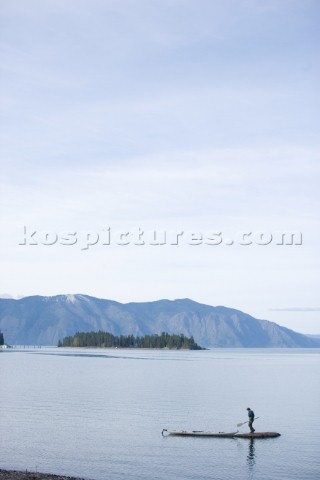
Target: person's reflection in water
x,y
251,454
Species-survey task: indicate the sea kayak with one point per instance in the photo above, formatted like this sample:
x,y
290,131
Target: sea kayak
x,y
198,433
203,433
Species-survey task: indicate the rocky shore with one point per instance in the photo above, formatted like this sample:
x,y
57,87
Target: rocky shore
x,y
14,475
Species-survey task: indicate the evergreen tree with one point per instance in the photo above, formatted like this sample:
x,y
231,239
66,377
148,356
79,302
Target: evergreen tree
x,y
1,338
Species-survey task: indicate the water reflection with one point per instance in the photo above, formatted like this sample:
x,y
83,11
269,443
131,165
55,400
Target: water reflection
x,y
251,454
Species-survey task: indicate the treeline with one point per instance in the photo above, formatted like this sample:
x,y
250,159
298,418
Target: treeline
x,y
107,340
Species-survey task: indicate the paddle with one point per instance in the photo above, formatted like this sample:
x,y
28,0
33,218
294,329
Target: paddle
x,y
240,424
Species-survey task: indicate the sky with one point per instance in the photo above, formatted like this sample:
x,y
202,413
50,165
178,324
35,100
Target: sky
x,y
160,149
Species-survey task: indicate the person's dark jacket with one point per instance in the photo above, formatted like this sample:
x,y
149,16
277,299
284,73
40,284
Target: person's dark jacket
x,y
251,415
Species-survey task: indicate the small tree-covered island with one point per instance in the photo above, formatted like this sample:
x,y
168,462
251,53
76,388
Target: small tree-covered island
x,y
107,340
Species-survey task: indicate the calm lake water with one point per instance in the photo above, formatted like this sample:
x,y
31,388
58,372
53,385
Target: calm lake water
x,y
99,413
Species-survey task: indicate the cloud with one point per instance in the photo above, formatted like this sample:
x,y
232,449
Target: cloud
x,y
193,188
99,83
11,297
295,309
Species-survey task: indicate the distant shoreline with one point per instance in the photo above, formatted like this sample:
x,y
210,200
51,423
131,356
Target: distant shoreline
x,y
134,348
18,475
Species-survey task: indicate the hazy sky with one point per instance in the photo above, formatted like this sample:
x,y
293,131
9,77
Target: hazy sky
x,y
162,115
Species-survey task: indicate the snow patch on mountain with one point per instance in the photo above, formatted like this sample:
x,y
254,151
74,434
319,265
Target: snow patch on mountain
x,y
71,299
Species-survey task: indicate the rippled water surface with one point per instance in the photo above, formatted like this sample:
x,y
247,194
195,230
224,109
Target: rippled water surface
x,y
99,413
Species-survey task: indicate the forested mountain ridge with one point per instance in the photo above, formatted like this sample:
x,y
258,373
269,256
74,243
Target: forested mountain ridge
x,y
41,320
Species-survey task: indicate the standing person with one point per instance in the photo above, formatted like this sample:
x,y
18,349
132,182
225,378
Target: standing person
x,y
251,419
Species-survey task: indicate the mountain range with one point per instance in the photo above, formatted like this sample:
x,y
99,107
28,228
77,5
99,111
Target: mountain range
x,y
39,320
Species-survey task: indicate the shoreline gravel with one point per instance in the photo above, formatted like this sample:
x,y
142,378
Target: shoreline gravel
x,y
18,475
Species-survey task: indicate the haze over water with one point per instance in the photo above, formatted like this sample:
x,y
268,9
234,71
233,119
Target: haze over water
x,y
99,413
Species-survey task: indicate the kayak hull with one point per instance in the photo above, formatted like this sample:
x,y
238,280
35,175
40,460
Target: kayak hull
x,y
258,435
201,433
198,433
